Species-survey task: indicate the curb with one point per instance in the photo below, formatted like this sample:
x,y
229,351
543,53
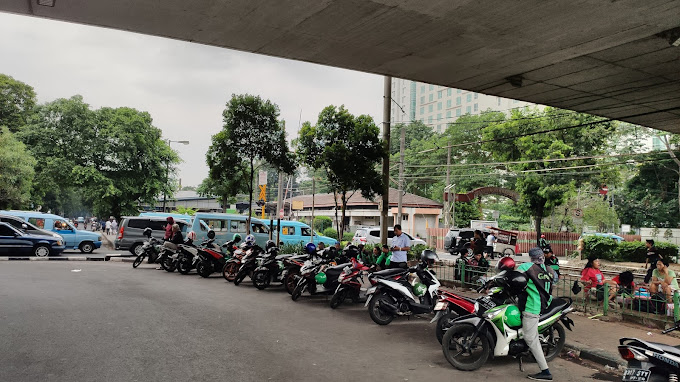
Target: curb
x,y
122,259
595,355
69,258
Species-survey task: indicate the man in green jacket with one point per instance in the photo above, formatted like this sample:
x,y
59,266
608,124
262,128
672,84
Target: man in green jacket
x,y
532,302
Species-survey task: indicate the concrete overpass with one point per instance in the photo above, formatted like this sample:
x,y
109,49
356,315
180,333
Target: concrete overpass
x,y
618,59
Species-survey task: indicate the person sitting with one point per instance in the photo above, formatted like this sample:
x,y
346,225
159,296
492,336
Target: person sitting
x,y
168,228
592,277
625,283
552,262
663,280
481,264
383,261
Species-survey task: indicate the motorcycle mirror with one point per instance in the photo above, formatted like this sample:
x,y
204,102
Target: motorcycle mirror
x,y
211,234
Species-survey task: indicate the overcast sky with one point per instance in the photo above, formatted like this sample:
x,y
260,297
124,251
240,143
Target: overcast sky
x,y
183,86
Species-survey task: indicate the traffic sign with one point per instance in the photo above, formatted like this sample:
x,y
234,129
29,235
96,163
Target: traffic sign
x,y
281,213
578,212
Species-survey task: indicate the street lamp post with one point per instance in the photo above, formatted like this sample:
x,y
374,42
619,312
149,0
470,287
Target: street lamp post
x,y
167,169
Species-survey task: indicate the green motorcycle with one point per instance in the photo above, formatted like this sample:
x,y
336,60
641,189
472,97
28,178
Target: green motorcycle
x,y
473,339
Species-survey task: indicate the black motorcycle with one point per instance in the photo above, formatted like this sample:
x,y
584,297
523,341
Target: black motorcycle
x,y
249,263
650,361
212,257
271,269
318,276
151,249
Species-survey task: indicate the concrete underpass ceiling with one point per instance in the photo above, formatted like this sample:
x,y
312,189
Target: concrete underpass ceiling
x,y
610,58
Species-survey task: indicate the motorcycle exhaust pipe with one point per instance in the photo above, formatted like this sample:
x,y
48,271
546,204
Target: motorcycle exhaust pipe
x,y
389,308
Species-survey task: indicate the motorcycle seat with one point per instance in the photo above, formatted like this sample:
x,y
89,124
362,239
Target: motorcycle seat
x,y
675,350
281,257
388,272
555,306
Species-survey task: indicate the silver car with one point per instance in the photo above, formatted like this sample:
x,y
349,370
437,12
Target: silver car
x,y
371,235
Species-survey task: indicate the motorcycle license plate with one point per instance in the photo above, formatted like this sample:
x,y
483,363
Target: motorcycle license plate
x,y
440,306
636,375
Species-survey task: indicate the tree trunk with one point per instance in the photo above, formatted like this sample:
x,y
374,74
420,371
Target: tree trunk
x,y
539,219
250,188
342,224
337,222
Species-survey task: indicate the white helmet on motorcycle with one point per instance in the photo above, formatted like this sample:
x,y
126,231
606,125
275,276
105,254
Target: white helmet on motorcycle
x,y
191,235
250,240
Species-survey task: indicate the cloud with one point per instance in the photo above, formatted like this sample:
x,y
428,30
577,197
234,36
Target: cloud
x,y
183,86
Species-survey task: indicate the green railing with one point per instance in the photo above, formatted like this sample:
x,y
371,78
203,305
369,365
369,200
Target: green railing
x,y
594,302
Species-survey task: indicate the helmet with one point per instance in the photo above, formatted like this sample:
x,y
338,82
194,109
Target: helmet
x,y
512,316
310,248
419,289
517,282
428,257
236,238
250,240
542,236
320,278
506,264
270,244
191,235
147,232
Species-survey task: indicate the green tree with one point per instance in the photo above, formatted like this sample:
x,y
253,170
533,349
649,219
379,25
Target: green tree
x,y
322,222
252,133
348,149
541,189
184,210
413,132
112,159
465,212
649,198
599,215
17,103
16,171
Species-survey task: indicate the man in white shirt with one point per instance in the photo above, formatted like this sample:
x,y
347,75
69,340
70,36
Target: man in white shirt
x,y
489,244
401,244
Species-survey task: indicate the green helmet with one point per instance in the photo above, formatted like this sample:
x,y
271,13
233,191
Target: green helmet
x,y
236,238
513,317
419,289
320,278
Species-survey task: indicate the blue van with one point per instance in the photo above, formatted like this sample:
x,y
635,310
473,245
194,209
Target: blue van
x,y
186,218
294,232
226,225
85,241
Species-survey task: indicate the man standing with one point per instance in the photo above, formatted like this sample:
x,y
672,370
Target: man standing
x,y
490,239
652,258
532,302
401,244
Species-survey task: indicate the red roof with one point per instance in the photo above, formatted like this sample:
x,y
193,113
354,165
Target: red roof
x,y
326,200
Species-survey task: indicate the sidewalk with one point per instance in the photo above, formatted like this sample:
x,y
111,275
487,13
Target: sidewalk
x,y
107,240
597,341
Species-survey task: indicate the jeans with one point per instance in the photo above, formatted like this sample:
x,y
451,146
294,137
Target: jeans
x,y
530,330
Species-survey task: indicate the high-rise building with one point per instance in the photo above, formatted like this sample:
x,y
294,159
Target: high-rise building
x,y
438,106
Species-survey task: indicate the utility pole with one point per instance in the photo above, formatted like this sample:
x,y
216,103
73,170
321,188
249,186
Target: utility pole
x,y
387,99
402,148
313,193
279,207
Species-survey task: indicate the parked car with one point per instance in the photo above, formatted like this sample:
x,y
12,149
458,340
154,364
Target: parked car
x,y
456,238
131,232
26,227
371,235
85,241
607,235
14,242
294,232
226,225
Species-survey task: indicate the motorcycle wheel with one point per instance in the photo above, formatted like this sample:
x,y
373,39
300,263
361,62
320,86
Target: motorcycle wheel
x,y
184,266
452,345
338,298
168,264
443,324
556,336
377,315
138,260
291,281
229,271
297,292
204,269
260,279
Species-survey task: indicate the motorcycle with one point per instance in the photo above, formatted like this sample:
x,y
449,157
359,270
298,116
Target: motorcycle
x,y
650,361
472,339
249,263
152,248
392,298
170,257
357,279
232,265
291,271
187,259
318,276
271,269
212,257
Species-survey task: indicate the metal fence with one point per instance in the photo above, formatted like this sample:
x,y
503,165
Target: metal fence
x,y
623,304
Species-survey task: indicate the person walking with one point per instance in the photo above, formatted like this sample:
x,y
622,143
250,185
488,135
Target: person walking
x,y
535,299
401,244
652,258
114,226
108,227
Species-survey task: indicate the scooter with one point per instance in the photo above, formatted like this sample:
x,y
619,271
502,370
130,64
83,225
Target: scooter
x,y
152,249
473,339
291,271
650,361
212,257
318,276
271,269
249,263
392,298
232,265
355,281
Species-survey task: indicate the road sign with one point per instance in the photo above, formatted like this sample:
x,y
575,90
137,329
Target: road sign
x,y
262,178
298,204
578,213
281,213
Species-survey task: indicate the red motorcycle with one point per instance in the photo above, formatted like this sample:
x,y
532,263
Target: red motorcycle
x,y
355,281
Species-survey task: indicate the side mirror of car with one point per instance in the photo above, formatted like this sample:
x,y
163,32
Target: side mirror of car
x,y
24,226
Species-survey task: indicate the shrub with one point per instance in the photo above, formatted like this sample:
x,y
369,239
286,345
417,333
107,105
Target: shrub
x,y
668,251
330,232
322,222
292,248
347,236
414,253
631,251
601,247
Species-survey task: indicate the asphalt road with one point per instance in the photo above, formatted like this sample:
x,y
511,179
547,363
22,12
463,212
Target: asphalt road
x,y
103,321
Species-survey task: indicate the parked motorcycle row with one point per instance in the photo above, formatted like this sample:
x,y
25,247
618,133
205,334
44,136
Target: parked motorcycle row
x,y
471,331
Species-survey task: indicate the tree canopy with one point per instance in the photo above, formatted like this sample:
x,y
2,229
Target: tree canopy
x,y
16,171
17,101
